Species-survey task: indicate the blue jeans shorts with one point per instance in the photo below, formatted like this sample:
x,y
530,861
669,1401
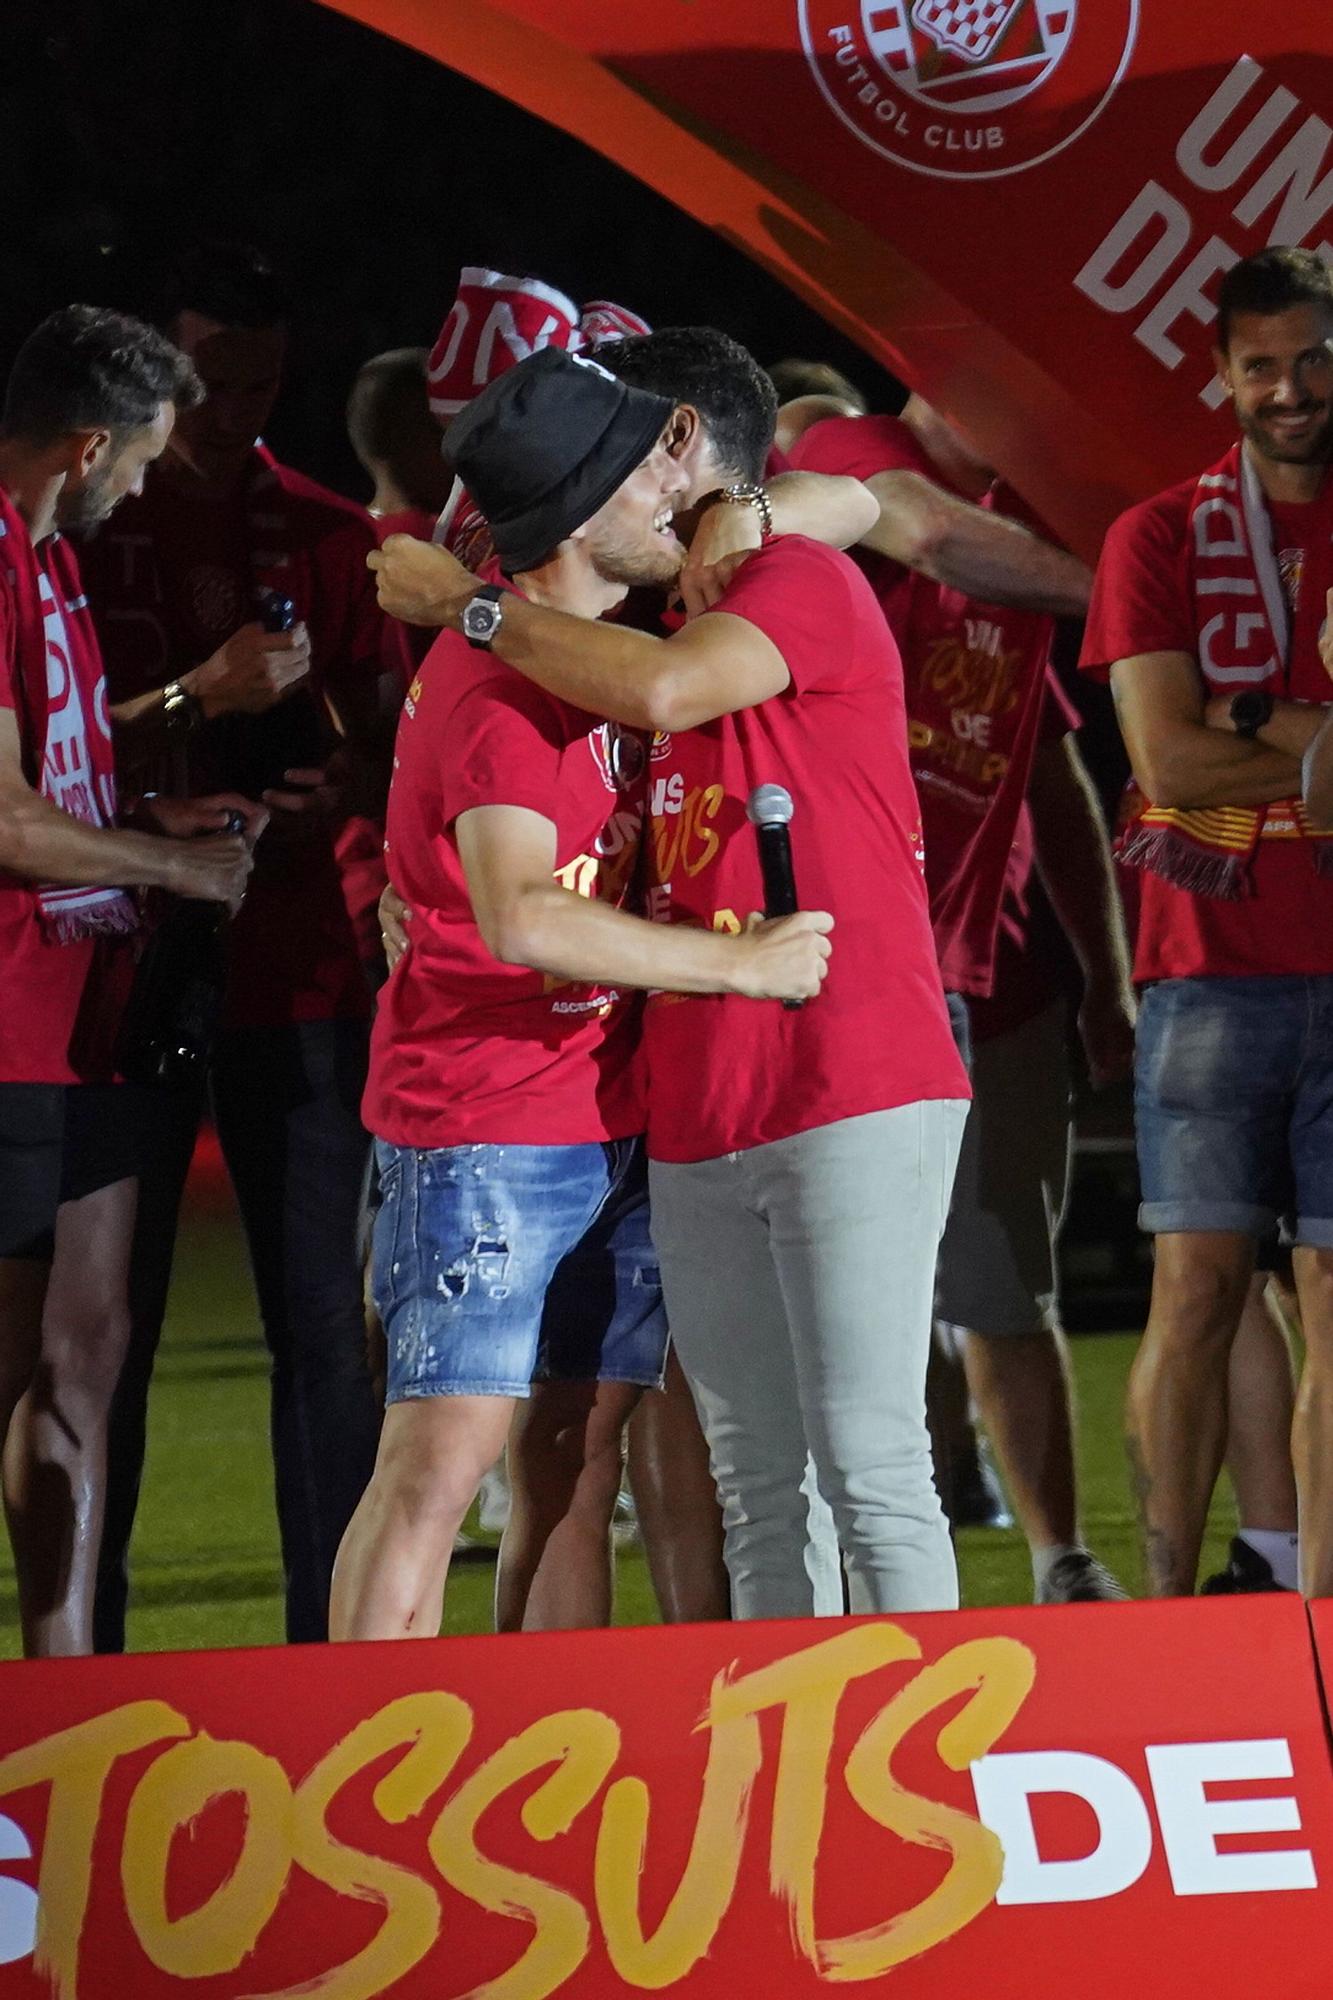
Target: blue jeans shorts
x,y
495,1267
1233,1099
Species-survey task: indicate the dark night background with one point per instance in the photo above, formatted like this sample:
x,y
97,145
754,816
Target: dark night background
x,y
369,173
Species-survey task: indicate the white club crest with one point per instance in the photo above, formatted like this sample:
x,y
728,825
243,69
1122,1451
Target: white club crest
x,y
967,28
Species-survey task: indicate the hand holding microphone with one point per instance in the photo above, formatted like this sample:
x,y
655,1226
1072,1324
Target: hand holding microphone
x,y
790,948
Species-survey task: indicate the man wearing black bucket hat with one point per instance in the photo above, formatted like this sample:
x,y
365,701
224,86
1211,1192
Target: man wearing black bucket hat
x,y
802,1160
512,1251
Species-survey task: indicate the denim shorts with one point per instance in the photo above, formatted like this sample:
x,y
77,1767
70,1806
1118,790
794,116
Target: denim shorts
x,y
495,1267
1233,1098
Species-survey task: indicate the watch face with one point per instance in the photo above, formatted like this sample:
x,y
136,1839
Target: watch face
x,y
481,619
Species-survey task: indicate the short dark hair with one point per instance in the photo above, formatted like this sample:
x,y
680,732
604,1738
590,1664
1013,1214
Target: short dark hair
x,y
86,369
1270,282
722,379
814,378
234,284
389,392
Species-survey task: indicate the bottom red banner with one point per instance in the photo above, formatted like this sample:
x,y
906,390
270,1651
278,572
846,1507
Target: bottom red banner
x,y
1011,1804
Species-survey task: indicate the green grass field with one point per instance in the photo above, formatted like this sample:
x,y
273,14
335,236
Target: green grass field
x,y
206,1569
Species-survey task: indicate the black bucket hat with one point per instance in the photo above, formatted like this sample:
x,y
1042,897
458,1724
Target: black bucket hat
x,y
546,445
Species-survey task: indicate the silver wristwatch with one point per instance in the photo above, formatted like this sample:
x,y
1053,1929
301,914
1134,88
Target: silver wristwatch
x,y
482,615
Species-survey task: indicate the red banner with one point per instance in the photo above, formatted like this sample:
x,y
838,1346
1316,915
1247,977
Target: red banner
x,y
1019,1805
1021,206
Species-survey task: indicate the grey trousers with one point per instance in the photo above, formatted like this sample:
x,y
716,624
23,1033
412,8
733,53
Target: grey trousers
x,y
799,1280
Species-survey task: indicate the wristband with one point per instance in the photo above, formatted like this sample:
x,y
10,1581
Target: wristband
x,y
182,712
747,493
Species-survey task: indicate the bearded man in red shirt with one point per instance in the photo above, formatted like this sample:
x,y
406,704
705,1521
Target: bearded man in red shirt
x,y
1209,615
89,405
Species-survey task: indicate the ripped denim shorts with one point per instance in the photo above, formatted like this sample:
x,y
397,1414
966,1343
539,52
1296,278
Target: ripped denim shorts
x,y
495,1267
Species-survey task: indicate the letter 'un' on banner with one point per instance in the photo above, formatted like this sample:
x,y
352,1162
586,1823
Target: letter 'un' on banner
x,y
1023,1805
1021,206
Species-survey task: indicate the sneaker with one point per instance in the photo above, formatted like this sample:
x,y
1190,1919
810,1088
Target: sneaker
x,y
493,1501
1078,1578
976,1497
1246,1573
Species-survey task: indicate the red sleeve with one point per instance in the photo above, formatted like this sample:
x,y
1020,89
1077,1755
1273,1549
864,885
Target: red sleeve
x,y
502,747
861,447
798,594
1140,596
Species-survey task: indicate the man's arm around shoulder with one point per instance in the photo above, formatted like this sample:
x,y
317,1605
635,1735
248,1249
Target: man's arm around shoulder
x,y
716,665
966,548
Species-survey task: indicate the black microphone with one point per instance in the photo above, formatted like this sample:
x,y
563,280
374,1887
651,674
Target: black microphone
x,y
769,810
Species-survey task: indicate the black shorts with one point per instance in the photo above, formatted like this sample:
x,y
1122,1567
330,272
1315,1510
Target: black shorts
x,y
60,1142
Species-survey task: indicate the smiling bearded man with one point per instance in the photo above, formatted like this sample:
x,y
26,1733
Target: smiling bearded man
x,y
1207,614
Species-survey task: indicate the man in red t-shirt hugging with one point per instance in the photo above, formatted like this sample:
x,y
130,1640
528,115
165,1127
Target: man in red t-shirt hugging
x,y
1207,614
512,1258
801,1159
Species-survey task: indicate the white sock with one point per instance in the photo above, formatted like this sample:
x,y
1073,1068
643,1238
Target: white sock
x,y
1279,1549
1044,1561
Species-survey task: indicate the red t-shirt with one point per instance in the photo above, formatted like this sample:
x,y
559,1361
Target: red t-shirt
x,y
57,1020
466,1050
170,577
974,675
1142,603
727,1073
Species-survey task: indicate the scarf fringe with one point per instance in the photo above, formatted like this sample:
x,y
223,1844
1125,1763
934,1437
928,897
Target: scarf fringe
x,y
118,916
1180,861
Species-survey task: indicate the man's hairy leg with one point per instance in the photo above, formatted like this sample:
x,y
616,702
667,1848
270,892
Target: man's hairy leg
x,y
1262,1397
1176,1408
56,1454
555,1569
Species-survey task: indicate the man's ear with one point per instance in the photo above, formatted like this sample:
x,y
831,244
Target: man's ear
x,y
683,430
90,451
1220,364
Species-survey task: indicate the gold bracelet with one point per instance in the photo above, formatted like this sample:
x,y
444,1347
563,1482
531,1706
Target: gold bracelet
x,y
748,493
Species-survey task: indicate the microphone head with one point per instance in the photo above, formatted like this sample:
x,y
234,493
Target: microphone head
x,y
769,805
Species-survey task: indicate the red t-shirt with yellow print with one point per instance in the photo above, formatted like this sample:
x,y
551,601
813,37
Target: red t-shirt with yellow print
x,y
726,1073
